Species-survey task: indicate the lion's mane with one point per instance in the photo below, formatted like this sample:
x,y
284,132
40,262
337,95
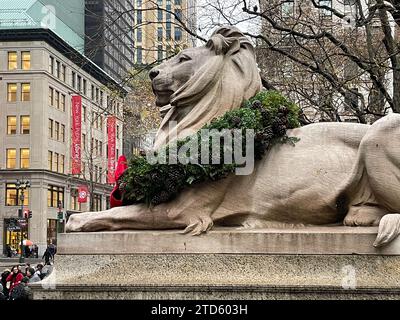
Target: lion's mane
x,y
228,78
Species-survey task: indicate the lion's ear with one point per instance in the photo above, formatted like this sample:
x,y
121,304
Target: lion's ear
x,y
222,45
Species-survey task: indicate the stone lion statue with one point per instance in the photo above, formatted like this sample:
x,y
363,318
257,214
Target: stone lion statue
x,y
338,173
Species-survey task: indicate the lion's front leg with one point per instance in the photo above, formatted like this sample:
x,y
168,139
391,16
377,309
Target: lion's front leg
x,y
137,216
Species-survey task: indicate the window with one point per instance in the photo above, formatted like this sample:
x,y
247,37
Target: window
x,y
351,99
73,80
92,91
11,155
11,125
51,96
85,87
160,52
178,34
100,148
139,35
26,60
288,8
57,99
139,17
101,97
139,3
117,132
57,130
75,205
139,58
178,14
61,164
79,83
62,133
24,158
58,69
11,92
62,105
50,160
160,15
55,194
159,33
25,123
56,161
12,60
26,92
63,72
13,195
168,30
51,65
83,113
178,2
97,94
50,128
97,202
325,12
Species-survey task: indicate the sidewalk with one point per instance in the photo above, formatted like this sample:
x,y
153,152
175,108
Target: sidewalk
x,y
9,262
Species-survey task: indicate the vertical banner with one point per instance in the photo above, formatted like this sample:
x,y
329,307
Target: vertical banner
x,y
83,193
76,134
111,126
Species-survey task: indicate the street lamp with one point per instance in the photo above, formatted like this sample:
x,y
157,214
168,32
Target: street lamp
x,y
21,186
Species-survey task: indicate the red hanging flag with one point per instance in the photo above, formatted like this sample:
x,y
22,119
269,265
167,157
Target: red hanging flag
x,y
82,193
111,129
76,134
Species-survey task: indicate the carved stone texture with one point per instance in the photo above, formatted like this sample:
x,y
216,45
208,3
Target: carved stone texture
x,y
337,173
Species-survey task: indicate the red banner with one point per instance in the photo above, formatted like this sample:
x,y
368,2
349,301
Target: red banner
x,y
76,134
111,129
82,193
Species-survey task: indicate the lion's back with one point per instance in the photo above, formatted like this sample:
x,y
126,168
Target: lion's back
x,y
292,181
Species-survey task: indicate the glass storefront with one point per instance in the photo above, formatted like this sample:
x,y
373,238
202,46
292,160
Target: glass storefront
x,y
52,231
12,235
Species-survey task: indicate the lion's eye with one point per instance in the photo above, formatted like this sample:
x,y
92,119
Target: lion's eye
x,y
184,58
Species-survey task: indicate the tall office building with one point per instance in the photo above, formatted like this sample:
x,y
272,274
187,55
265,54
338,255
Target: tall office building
x,y
109,38
163,36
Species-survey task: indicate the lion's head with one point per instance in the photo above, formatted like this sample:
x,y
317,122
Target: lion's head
x,y
205,82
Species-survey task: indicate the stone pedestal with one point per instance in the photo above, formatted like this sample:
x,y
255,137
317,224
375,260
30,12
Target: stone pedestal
x,y
307,263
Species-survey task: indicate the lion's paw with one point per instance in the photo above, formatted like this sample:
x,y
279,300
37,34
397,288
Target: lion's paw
x,y
199,225
389,229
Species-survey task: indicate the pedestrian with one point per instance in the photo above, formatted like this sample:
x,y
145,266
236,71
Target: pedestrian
x,y
27,251
53,249
30,272
39,269
35,250
8,251
27,266
14,277
2,295
34,276
21,291
4,276
47,256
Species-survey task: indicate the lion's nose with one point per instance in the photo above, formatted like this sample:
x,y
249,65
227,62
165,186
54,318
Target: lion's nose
x,y
153,73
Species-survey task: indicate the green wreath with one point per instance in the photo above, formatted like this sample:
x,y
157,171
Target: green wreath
x,y
268,113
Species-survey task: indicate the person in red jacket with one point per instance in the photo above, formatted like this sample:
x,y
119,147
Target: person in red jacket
x,y
15,277
116,193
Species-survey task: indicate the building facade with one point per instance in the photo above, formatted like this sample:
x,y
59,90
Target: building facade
x,y
158,30
109,38
39,74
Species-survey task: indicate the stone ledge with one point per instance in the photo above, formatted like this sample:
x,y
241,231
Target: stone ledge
x,y
306,240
